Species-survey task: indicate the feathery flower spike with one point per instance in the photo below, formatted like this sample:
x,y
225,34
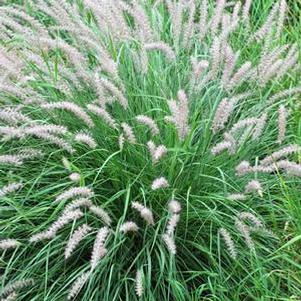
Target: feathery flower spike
x,y
77,203
75,192
139,283
174,206
128,132
76,238
72,107
282,114
162,47
6,244
11,297
159,183
245,231
101,112
145,212
229,242
179,114
78,285
86,139
74,177
170,243
64,219
148,122
16,285
157,152
254,186
128,227
101,213
237,197
9,188
99,250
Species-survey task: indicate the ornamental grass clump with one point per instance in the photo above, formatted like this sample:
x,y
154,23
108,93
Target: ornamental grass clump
x,y
149,150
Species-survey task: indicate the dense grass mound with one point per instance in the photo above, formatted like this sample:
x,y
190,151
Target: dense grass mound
x,y
150,150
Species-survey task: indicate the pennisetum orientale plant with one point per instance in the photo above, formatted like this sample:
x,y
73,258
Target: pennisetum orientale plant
x,y
180,160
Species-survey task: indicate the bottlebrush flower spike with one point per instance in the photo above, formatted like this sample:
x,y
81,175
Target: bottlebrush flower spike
x,y
282,114
241,75
77,203
170,243
243,123
159,183
101,213
101,112
268,25
64,219
13,116
99,250
12,187
216,58
189,26
216,18
16,285
139,283
259,128
148,122
74,177
9,132
245,231
198,68
86,139
245,11
222,114
175,10
11,160
235,14
172,224
237,197
285,151
46,128
72,107
250,217
291,168
128,132
243,168
49,133
162,47
11,297
145,212
284,94
203,24
179,114
218,148
174,207
6,244
143,26
230,61
281,17
76,238
128,227
157,152
289,62
121,141
75,192
226,21
115,91
254,186
229,242
78,285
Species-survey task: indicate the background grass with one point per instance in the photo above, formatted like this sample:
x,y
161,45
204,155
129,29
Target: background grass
x,y
202,268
